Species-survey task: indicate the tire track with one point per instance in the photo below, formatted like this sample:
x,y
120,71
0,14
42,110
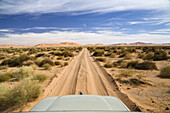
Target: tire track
x,y
86,75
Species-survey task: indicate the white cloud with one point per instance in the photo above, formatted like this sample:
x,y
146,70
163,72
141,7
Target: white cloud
x,y
161,31
54,28
6,30
79,6
105,37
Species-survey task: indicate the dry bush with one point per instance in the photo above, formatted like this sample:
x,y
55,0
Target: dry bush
x,y
34,66
47,61
160,55
57,63
68,54
113,55
108,65
38,61
101,59
141,55
132,64
98,53
47,66
24,92
128,56
5,76
23,72
3,67
123,65
40,77
150,56
65,63
126,73
165,72
146,66
15,61
60,58
40,55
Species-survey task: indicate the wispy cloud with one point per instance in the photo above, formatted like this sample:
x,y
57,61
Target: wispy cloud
x,y
79,6
52,28
6,30
102,36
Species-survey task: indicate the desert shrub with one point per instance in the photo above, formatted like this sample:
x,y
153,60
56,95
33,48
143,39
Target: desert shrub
x,y
3,67
139,76
57,63
149,56
68,54
60,58
160,55
58,53
107,54
24,92
65,63
115,64
5,76
113,55
132,64
47,66
15,61
98,53
123,65
40,77
141,55
38,61
67,59
101,59
27,63
119,61
108,65
146,66
126,73
34,66
128,56
23,72
39,55
165,72
47,61
125,54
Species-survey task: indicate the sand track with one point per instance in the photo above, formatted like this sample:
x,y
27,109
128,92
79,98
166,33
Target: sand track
x,y
86,75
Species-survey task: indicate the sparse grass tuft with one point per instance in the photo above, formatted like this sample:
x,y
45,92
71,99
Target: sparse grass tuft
x,y
5,76
23,72
108,65
24,92
40,77
65,63
101,59
126,73
47,66
47,61
3,67
165,72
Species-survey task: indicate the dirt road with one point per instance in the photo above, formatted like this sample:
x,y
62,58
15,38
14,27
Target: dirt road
x,y
85,75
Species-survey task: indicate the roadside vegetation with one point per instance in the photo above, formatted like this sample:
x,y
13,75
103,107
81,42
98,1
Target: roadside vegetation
x,y
25,71
128,61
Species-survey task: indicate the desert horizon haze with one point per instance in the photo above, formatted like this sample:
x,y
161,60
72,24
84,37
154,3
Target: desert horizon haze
x,y
28,22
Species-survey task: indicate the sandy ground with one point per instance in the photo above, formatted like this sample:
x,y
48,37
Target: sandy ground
x,y
85,75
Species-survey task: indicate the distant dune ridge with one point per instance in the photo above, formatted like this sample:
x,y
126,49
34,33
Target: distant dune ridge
x,y
71,44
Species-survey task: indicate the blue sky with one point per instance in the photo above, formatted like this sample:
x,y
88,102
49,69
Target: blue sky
x,y
30,22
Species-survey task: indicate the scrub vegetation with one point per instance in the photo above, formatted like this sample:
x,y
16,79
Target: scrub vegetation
x,y
25,71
